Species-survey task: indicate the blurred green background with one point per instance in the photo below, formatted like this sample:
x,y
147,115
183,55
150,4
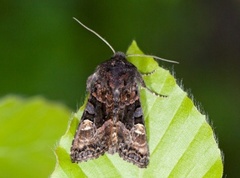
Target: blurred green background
x,y
43,51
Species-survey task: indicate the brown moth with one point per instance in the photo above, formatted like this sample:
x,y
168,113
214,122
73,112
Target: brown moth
x,y
113,119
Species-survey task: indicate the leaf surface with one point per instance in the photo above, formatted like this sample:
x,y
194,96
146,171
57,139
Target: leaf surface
x,y
181,142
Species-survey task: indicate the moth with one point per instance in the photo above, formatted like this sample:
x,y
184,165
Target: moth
x,y
113,119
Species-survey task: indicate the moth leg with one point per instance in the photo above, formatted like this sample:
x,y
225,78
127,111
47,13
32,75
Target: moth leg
x,y
154,93
149,73
142,83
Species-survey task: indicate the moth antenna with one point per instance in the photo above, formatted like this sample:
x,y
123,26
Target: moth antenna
x,y
95,33
155,57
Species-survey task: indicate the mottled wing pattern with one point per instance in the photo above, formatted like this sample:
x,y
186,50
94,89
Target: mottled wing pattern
x,y
113,119
92,135
132,140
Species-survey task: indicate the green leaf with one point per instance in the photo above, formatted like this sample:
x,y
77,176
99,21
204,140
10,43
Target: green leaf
x,y
29,129
181,142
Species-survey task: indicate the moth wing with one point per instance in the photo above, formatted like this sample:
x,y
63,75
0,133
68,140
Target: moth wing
x,y
133,146
91,138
